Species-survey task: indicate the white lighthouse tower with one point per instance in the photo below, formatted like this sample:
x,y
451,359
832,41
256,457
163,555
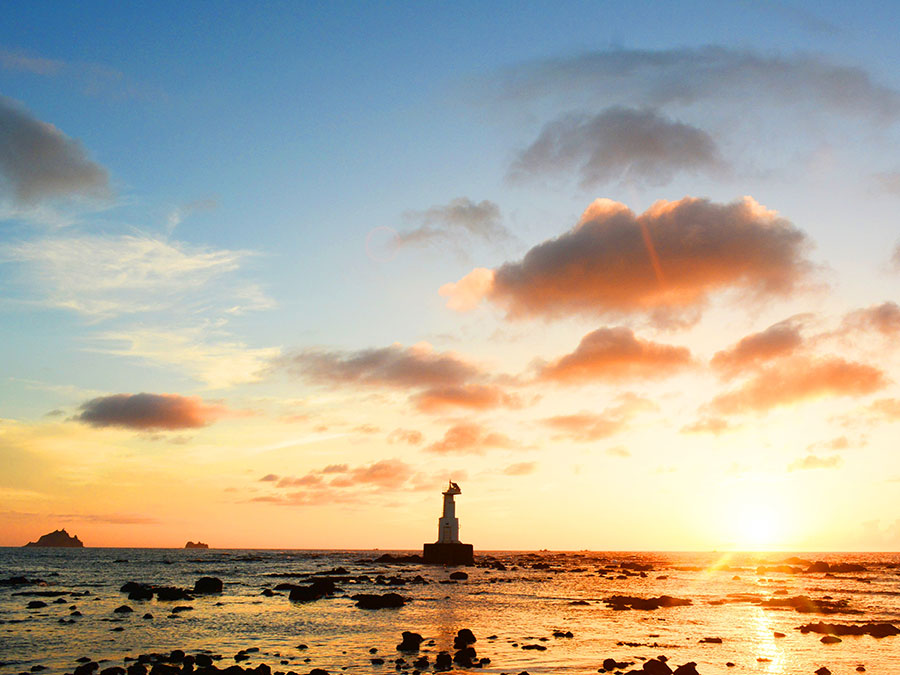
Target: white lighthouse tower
x,y
448,549
448,523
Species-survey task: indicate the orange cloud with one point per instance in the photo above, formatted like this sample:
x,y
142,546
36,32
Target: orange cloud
x,y
469,439
149,412
798,379
604,266
471,396
616,354
520,469
777,340
586,427
884,318
410,436
815,462
708,425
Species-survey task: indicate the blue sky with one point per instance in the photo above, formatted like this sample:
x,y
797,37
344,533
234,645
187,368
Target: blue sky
x,y
232,227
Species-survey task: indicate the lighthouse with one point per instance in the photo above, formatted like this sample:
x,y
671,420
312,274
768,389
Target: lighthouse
x,y
448,550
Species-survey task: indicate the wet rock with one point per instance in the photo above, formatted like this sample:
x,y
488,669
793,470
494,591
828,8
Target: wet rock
x,y
388,558
539,648
136,669
86,668
461,576
563,634
421,663
579,603
36,604
806,605
778,635
464,638
823,671
123,609
60,601
877,630
318,671
377,661
148,615
712,640
372,601
205,585
113,670
656,667
625,602
465,657
170,593
319,588
37,669
443,661
410,642
182,608
689,668
203,660
820,567
830,640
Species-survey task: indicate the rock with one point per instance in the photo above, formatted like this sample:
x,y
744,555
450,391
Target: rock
x,y
36,604
182,608
170,593
806,605
465,657
579,603
464,638
123,609
148,615
205,585
113,670
197,544
712,640
319,588
377,661
877,630
318,671
388,558
830,640
86,668
689,668
823,671
539,648
56,539
410,642
443,661
371,601
624,602
461,576
778,635
656,667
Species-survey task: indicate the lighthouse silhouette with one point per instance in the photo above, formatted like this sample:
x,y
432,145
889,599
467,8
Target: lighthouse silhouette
x,y
448,550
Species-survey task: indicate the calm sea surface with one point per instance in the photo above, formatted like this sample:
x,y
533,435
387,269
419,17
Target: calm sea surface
x,y
521,605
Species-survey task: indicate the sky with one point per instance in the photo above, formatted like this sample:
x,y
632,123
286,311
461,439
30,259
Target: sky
x,y
271,275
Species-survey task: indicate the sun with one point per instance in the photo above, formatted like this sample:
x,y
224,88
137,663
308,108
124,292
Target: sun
x,y
757,527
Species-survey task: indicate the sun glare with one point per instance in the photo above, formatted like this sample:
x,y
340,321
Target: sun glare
x,y
757,527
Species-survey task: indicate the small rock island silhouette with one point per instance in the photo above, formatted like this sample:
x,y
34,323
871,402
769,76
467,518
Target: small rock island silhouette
x,y
56,539
197,544
448,550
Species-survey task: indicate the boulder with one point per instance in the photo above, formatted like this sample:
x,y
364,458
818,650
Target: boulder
x,y
464,638
410,642
656,667
460,576
205,585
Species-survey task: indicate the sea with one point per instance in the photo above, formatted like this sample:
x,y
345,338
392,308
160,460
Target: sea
x,y
538,612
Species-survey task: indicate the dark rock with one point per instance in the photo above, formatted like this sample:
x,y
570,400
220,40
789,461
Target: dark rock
x,y
712,640
806,605
148,615
461,576
689,668
540,648
464,638
205,585
196,544
410,642
319,588
878,630
823,671
443,661
170,593
371,601
137,669
37,668
778,635
830,640
465,657
579,603
86,668
203,660
318,671
624,602
377,661
182,608
113,670
123,609
36,604
388,558
56,539
656,667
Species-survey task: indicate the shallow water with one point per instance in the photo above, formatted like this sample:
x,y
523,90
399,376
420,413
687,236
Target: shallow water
x,y
522,605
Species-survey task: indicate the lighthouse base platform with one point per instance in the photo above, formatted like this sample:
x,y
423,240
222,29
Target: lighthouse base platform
x,y
449,554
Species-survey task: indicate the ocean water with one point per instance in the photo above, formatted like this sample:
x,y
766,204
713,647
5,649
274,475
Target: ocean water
x,y
521,605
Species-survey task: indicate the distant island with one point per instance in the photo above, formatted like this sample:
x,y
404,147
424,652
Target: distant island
x,y
198,544
57,539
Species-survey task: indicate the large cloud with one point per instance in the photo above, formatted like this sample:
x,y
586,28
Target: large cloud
x,y
38,161
664,262
778,340
461,216
618,144
684,76
616,354
394,366
800,378
149,412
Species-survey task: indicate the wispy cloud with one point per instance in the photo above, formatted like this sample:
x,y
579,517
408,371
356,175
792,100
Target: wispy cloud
x,y
148,412
460,218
